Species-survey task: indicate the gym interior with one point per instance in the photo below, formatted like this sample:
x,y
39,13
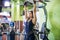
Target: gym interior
x,y
12,19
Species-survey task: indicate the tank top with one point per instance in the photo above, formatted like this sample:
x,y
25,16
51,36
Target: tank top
x,y
29,26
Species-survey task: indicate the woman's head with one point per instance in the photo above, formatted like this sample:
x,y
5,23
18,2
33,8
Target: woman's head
x,y
30,14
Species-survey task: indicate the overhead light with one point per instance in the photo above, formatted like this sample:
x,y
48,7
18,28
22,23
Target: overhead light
x,y
6,3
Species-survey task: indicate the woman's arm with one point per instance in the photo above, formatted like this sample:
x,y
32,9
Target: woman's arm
x,y
25,12
34,13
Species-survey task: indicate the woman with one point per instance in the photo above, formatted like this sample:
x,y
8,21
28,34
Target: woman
x,y
30,22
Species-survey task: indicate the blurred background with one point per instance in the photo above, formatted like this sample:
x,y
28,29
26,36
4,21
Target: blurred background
x,y
11,12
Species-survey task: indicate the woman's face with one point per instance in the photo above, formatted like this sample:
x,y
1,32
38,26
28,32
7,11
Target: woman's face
x,y
30,15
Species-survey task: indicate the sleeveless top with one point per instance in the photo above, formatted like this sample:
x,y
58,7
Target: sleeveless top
x,y
29,26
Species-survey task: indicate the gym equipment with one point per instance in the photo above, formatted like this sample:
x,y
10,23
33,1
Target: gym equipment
x,y
42,0
29,4
45,12
36,33
0,2
0,9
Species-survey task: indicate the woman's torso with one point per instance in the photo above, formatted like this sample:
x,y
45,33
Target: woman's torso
x,y
29,26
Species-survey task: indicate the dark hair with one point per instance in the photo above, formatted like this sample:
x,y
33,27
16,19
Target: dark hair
x,y
32,13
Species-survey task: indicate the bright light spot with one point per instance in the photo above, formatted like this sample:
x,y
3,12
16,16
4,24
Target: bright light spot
x,y
7,3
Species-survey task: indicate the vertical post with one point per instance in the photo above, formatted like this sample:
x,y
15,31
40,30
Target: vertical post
x,y
18,10
17,36
12,11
